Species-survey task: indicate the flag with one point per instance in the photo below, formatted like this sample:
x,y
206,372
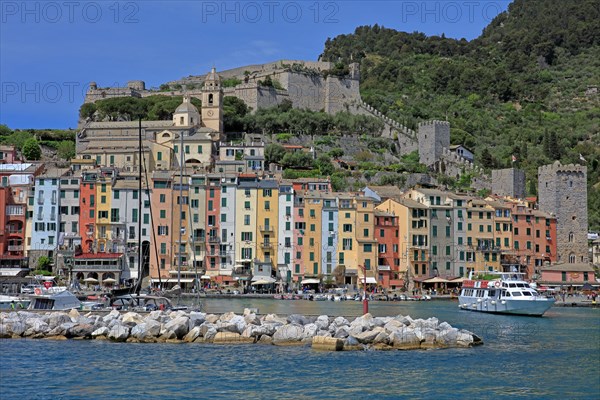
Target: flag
x,y
514,158
581,157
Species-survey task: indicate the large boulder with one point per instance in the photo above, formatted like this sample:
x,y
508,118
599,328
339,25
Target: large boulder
x,y
114,314
178,325
101,332
81,330
118,333
405,339
56,319
251,319
36,327
310,330
273,318
298,319
288,335
192,335
131,319
196,319
367,337
322,322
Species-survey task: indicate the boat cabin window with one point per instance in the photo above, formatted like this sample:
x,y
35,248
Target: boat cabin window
x,y
512,285
515,293
521,285
506,294
491,293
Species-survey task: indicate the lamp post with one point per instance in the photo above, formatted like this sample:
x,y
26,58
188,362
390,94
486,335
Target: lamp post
x,y
365,299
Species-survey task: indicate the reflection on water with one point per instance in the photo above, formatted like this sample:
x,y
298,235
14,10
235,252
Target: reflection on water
x,y
556,356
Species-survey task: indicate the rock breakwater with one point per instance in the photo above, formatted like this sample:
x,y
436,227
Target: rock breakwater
x,y
322,332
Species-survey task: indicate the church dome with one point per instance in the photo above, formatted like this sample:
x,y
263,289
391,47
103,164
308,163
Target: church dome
x,y
186,107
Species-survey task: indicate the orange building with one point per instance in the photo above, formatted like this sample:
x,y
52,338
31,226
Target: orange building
x,y
534,238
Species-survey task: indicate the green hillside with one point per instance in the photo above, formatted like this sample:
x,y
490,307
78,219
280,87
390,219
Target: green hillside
x,y
525,87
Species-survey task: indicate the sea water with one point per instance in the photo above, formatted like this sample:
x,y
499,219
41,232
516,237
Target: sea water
x,y
556,356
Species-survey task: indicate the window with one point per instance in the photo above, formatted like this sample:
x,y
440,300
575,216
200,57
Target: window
x,y
347,244
187,149
312,227
347,228
247,205
146,218
447,231
434,250
223,202
210,205
163,248
246,220
366,232
267,205
368,248
116,194
434,231
199,149
163,230
223,217
162,198
163,213
103,188
366,217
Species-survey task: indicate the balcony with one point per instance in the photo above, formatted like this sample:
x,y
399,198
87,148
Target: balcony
x,y
11,230
15,248
266,245
199,239
266,228
214,239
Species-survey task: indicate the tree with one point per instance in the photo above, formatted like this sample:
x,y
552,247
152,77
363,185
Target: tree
x,y
66,150
274,153
486,158
44,263
31,149
324,165
5,130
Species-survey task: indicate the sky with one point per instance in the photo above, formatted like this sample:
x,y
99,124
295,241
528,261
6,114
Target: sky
x,y
51,50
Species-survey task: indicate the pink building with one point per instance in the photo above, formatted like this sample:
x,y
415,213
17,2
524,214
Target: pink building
x,y
8,155
567,275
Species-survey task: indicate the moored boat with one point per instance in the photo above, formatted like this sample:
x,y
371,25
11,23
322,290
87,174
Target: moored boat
x,y
503,293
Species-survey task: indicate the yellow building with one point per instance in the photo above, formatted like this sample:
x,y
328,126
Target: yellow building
x,y
267,218
367,250
481,252
246,204
105,215
313,206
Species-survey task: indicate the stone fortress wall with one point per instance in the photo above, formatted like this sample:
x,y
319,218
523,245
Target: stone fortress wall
x,y
304,84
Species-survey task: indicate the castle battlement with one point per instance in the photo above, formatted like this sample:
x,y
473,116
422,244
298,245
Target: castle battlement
x,y
557,167
434,122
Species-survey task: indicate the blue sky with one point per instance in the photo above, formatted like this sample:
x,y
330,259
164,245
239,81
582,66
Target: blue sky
x,y
51,50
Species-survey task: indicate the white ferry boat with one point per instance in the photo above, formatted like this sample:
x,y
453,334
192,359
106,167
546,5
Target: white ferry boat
x,y
502,293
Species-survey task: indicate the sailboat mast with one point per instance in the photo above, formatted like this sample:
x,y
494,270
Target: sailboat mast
x,y
139,232
180,208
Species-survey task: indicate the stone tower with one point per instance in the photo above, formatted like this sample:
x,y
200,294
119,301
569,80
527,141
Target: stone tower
x,y
433,137
562,191
509,182
212,102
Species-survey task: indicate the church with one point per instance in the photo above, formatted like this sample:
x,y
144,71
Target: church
x,y
189,139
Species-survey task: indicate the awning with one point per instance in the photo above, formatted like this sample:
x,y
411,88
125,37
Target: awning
x,y
109,280
436,279
182,280
259,278
458,280
370,279
262,282
11,271
310,281
205,277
